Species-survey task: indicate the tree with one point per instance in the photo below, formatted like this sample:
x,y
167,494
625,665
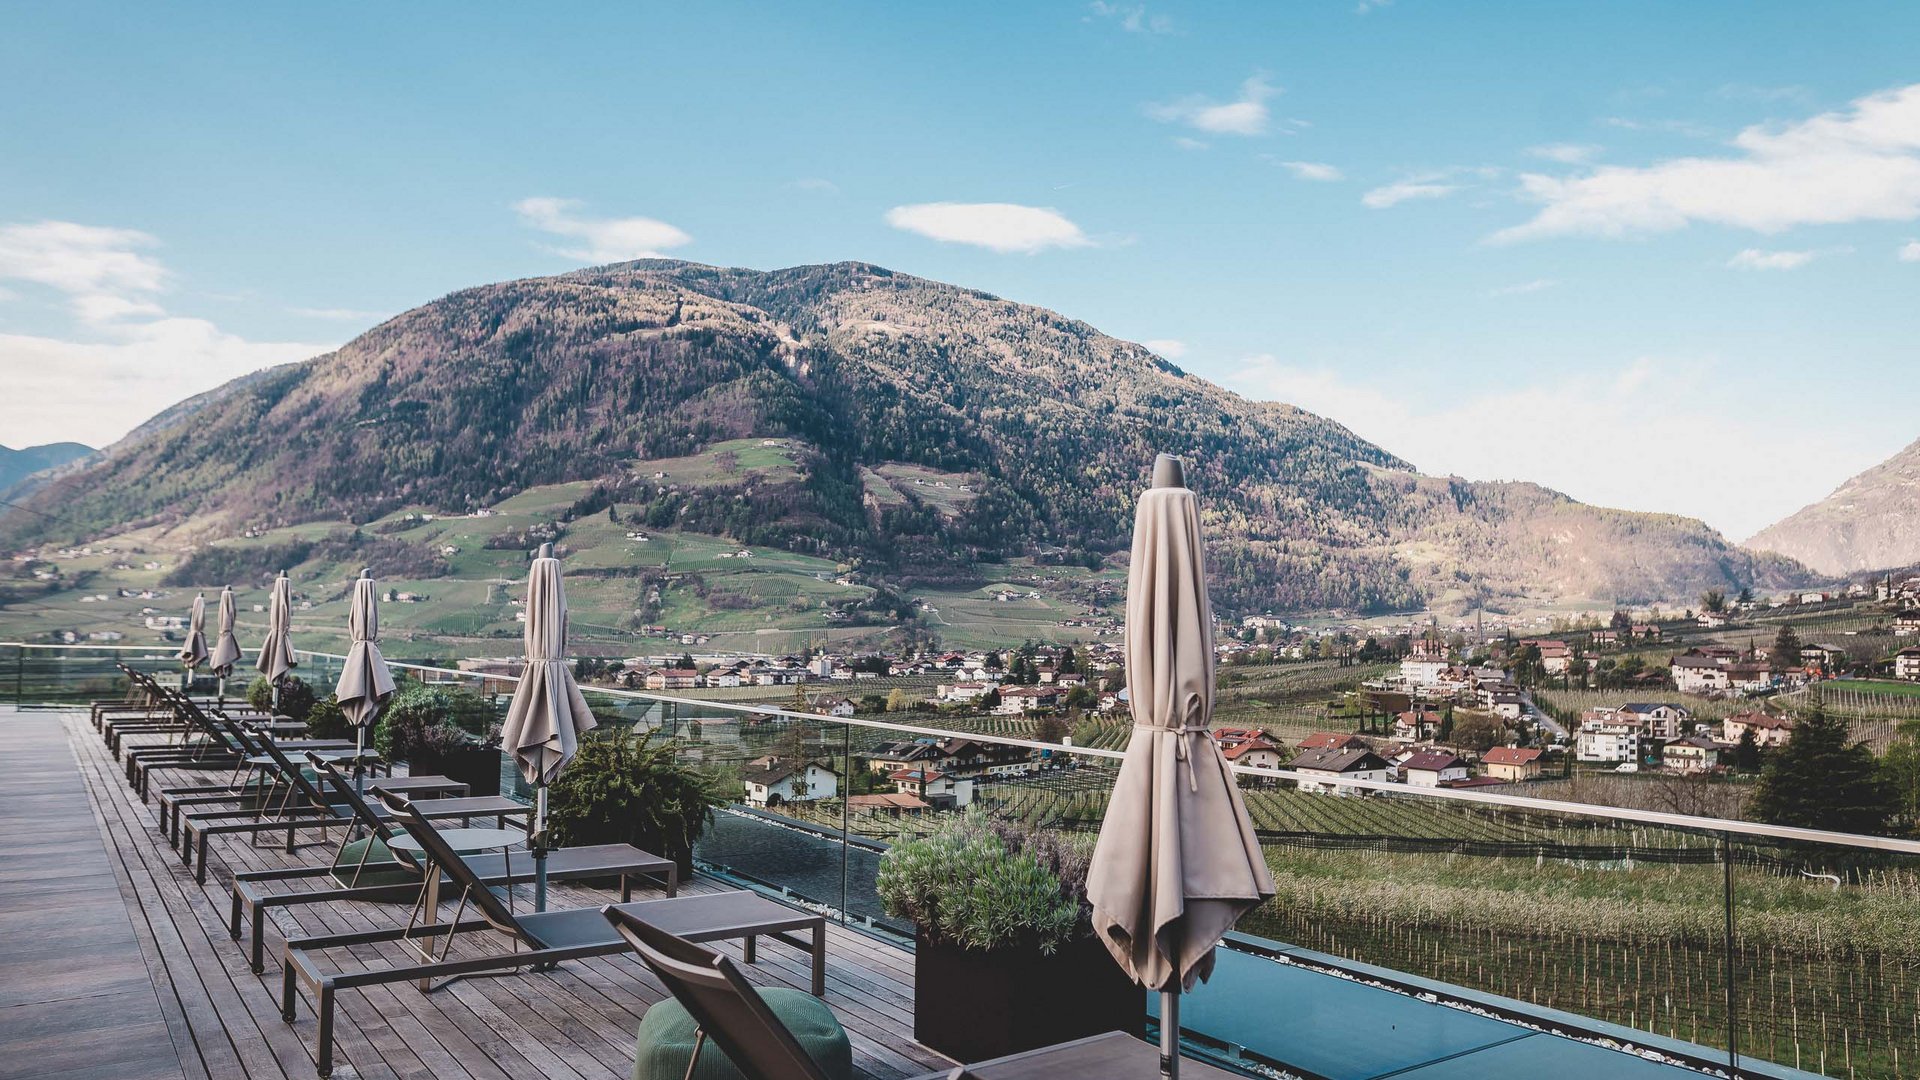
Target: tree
x,y
1821,779
1068,663
1746,753
1786,648
613,514
1621,620
1746,596
898,701
1714,600
991,699
1902,767
1049,729
1478,730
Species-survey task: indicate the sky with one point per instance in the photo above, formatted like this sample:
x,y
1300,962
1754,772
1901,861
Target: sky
x,y
1660,256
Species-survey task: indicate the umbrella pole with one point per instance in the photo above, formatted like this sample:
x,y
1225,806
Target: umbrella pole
x,y
540,847
359,765
1170,1034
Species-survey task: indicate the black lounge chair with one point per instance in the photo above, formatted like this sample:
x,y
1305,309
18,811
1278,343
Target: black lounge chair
x,y
305,808
539,940
728,1011
259,778
377,873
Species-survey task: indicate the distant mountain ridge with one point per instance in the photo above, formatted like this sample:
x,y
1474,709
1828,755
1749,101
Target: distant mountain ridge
x,y
1871,522
584,376
17,465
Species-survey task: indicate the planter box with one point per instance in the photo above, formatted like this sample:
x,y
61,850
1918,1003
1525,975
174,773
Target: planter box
x,y
478,768
973,1006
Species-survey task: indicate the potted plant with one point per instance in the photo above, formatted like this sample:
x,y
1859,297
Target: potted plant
x,y
442,731
626,787
1005,957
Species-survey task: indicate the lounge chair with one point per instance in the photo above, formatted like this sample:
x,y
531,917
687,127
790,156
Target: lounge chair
x,y
538,939
305,808
766,1034
368,870
259,777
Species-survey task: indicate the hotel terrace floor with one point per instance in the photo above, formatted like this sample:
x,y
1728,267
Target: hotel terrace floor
x,y
115,964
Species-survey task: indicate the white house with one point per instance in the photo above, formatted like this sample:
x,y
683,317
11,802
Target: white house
x,y
833,705
772,781
1768,730
1433,768
1607,743
1334,763
1697,673
1425,665
1906,664
1659,719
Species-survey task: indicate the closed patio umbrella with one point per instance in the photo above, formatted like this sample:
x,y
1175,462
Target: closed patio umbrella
x,y
226,649
548,715
1177,861
193,651
365,683
276,660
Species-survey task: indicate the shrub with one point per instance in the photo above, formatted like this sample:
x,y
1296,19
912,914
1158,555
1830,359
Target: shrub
x,y
624,787
982,884
296,696
326,721
432,718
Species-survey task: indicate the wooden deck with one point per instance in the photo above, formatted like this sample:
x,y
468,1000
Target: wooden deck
x,y
116,964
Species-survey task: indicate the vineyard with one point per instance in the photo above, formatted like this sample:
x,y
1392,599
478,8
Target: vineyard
x,y
1617,921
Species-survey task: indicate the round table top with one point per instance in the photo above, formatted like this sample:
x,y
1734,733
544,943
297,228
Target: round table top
x,y
465,841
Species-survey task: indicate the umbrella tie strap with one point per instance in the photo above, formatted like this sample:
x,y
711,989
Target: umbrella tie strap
x,y
1180,751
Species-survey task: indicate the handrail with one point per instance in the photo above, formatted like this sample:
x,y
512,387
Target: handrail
x,y
1726,827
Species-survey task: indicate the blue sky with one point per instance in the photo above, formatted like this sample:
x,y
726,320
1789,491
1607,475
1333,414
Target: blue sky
x,y
1662,256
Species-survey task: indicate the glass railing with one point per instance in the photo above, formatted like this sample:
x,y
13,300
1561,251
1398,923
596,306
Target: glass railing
x,y
1425,924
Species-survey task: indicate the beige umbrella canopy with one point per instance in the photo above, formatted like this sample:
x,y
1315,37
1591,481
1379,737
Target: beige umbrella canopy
x,y
276,660
365,683
547,715
1177,862
226,649
193,651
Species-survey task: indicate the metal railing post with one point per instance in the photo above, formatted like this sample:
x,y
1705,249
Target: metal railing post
x,y
1726,860
846,816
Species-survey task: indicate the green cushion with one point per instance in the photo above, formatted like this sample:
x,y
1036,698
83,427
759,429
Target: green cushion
x,y
667,1035
380,867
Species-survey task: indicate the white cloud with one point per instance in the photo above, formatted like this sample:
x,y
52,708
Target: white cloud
x,y
1133,18
103,272
817,183
1406,190
1524,287
96,391
1760,454
1756,259
1313,170
1245,115
1910,251
1365,7
1002,227
1566,153
1167,347
128,357
1857,164
601,240
1186,143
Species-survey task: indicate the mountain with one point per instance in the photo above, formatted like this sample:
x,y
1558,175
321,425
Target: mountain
x,y
17,465
1871,522
1025,434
